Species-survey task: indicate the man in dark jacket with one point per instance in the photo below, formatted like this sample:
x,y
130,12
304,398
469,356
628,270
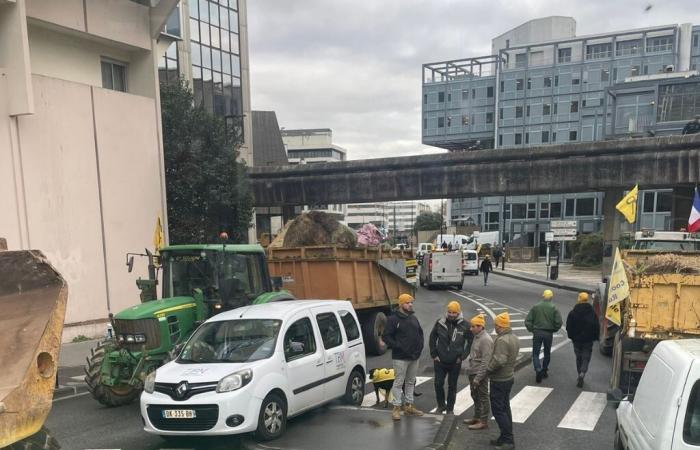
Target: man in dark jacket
x,y
404,335
692,127
449,345
582,328
486,267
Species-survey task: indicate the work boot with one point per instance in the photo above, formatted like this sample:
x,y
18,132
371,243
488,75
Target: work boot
x,y
472,421
411,410
440,409
544,373
480,425
538,376
396,413
579,382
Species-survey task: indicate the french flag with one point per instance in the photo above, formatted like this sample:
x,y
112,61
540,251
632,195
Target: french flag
x,y
694,219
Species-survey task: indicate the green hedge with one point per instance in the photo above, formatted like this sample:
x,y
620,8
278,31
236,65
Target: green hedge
x,y
588,250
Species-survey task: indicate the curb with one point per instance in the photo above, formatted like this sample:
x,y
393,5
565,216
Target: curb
x,y
444,433
553,284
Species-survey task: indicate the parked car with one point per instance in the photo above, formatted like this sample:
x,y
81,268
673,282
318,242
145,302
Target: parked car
x,y
664,412
470,262
249,369
442,268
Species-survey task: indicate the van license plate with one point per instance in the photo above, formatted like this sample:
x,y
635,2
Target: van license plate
x,y
179,414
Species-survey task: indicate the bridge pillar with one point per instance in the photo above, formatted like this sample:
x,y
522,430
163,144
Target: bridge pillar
x,y
612,219
680,208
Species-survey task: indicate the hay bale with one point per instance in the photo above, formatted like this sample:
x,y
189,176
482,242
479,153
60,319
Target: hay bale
x,y
318,228
665,263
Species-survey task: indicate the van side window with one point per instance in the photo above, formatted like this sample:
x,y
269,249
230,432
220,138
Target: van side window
x,y
299,340
691,426
330,330
352,331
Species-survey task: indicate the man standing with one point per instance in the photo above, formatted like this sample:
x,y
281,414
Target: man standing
x,y
582,328
479,357
500,370
497,253
449,345
542,321
693,126
404,336
486,267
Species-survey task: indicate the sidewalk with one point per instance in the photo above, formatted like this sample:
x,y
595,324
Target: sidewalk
x,y
570,278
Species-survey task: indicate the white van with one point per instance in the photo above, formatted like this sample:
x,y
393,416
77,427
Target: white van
x,y
423,248
470,262
442,268
664,412
251,368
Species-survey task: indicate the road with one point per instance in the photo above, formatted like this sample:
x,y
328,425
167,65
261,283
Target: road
x,y
569,417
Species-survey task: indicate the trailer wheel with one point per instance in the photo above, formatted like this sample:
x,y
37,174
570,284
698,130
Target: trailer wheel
x,y
372,330
41,440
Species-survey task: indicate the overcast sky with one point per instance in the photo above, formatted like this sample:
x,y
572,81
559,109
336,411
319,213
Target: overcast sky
x,y
355,66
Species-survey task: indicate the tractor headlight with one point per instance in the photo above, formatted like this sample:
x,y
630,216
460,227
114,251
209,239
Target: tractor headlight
x,y
149,385
120,338
130,338
235,381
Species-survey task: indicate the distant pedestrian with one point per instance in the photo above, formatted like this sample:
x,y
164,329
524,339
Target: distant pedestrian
x,y
500,370
542,321
497,253
693,126
449,343
486,267
479,357
582,328
444,245
449,247
404,335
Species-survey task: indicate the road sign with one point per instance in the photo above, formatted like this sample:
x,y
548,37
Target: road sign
x,y
563,224
564,231
564,238
548,236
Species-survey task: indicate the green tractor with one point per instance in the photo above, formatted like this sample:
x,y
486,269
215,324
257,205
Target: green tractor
x,y
198,282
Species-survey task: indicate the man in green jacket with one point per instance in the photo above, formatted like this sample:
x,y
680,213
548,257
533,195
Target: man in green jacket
x,y
543,321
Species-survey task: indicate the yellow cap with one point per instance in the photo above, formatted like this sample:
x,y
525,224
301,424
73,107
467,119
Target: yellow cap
x,y
478,320
454,307
547,294
502,320
405,298
582,297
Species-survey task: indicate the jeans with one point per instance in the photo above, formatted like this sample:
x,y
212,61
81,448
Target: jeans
x,y
480,395
486,277
540,337
404,371
583,351
500,403
451,371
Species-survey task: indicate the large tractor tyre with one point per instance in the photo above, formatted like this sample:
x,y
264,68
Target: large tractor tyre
x,y
624,380
372,329
41,440
118,395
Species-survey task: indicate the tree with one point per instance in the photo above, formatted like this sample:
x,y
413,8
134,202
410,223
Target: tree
x,y
588,250
428,221
207,188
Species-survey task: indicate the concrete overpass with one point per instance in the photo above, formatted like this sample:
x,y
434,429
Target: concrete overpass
x,y
595,166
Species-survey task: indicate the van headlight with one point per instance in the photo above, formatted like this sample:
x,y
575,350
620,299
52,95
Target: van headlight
x,y
234,381
149,385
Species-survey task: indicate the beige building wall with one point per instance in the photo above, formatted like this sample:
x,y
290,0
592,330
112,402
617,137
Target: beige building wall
x,y
81,167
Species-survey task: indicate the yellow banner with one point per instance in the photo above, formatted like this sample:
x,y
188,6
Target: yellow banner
x,y
628,205
158,237
618,289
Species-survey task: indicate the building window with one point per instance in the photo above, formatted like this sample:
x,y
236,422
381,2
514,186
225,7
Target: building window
x,y
465,120
544,210
503,86
518,138
527,110
575,81
547,81
545,137
518,84
678,102
519,211
572,135
546,109
500,113
570,207
634,71
489,92
441,97
628,48
564,55
465,95
527,138
521,60
518,112
441,122
599,51
489,117
554,111
696,40
449,121
449,97
659,44
529,83
425,99
167,66
554,136
574,106
425,124
555,210
113,75
556,80
585,206
532,210
473,93
500,140
605,74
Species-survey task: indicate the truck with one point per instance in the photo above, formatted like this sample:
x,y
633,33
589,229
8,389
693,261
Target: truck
x,y
198,281
370,278
663,273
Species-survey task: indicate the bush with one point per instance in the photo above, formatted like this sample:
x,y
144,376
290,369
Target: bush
x,y
81,338
588,250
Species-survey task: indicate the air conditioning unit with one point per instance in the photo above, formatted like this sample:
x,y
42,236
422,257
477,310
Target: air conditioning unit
x,y
669,68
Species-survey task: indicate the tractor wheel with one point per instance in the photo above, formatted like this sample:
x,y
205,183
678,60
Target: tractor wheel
x,y
107,395
372,329
41,440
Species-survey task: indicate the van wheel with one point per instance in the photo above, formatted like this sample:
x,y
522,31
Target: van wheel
x,y
272,421
355,390
372,330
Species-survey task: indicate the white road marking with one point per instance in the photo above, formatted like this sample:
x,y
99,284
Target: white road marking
x,y
70,396
554,348
517,320
525,338
463,401
518,328
527,401
585,412
477,303
370,399
78,378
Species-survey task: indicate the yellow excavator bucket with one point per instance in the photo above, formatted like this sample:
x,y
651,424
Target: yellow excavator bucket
x,y
32,308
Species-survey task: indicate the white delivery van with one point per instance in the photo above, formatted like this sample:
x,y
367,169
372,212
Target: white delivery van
x,y
251,368
664,412
441,268
423,248
470,262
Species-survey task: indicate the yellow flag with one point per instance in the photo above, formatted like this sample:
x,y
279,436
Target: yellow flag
x,y
628,205
158,237
618,289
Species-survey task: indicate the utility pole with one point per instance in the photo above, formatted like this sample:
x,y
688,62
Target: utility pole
x,y
395,242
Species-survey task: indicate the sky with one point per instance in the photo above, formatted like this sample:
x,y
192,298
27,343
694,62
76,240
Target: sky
x,y
356,66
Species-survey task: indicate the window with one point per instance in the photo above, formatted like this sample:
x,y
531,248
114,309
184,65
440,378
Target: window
x,y
628,48
500,140
503,86
527,138
518,138
473,93
441,97
614,77
545,137
529,83
425,99
585,206
532,210
555,210
518,84
519,210
425,124
648,202
546,109
500,113
527,110
330,330
352,331
449,97
299,340
664,200
564,55
518,111
547,81
691,424
570,204
696,40
659,44
489,117
599,51
113,75
489,92
605,74
465,95
449,121
634,71
556,80
575,81
678,102
544,210
465,120
441,122
521,60
572,135
554,135
574,106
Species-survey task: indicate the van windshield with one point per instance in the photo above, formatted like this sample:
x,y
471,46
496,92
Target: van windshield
x,y
232,341
469,256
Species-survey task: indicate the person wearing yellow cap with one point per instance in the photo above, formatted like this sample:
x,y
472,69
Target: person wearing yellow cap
x,y
543,320
449,345
582,328
404,335
501,372
479,356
